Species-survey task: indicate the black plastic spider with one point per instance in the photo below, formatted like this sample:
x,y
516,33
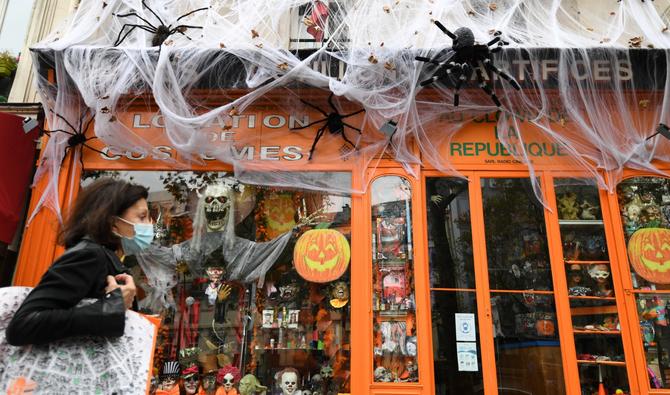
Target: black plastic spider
x,y
334,122
465,57
77,136
160,32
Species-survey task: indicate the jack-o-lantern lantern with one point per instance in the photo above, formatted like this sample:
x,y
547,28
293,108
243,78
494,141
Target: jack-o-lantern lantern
x,y
321,255
649,254
279,214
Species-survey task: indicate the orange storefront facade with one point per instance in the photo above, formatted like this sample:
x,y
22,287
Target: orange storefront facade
x,y
458,282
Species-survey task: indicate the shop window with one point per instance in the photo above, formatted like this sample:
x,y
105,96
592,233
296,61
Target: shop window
x,y
645,215
527,349
247,281
456,347
593,307
394,333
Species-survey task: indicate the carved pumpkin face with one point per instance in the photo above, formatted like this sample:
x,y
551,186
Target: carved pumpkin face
x,y
279,214
321,255
649,254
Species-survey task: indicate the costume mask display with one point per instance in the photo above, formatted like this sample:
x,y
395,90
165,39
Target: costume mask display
x,y
209,382
249,385
339,295
217,206
169,377
189,378
227,377
289,382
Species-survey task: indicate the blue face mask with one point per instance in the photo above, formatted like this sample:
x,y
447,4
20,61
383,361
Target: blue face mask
x,y
144,235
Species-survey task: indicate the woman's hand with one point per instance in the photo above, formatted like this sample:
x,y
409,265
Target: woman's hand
x,y
127,287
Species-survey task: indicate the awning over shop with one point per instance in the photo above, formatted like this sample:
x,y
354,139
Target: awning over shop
x,y
17,156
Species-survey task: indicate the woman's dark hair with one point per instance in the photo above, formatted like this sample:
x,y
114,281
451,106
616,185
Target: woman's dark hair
x,y
95,209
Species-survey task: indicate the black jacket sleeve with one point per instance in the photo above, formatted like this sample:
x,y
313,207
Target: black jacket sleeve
x,y
50,313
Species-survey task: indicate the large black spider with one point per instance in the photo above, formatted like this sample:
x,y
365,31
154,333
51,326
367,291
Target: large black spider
x,y
160,32
334,122
77,136
465,57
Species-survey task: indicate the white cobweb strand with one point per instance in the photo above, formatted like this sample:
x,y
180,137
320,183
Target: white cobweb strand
x,y
377,41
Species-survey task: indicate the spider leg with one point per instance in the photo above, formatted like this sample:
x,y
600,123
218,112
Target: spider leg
x,y
314,107
330,102
135,14
446,31
120,39
66,121
95,149
178,29
59,130
353,127
495,40
144,3
487,88
353,113
309,124
491,67
464,71
88,124
192,12
344,136
319,133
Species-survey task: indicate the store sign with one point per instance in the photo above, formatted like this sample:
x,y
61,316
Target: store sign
x,y
255,136
480,142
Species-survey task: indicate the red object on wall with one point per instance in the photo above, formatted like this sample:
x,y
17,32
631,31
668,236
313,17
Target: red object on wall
x,y
17,157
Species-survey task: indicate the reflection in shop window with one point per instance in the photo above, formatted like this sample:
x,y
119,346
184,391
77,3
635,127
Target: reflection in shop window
x,y
251,284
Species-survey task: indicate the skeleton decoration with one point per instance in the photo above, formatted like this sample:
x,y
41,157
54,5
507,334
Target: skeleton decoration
x,y
288,382
217,203
213,232
228,376
249,385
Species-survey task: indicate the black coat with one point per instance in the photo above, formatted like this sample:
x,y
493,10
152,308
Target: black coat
x,y
50,311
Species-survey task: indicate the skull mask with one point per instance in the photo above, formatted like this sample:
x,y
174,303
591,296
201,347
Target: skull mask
x,y
209,382
288,292
217,203
289,383
228,381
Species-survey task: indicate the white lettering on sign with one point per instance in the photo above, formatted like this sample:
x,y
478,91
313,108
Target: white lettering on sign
x,y
137,122
274,121
164,152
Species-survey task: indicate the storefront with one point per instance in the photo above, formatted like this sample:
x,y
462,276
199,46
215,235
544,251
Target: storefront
x,y
427,283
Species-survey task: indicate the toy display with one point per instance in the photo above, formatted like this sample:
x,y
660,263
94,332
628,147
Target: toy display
x,y
393,298
567,206
600,274
289,381
190,378
230,296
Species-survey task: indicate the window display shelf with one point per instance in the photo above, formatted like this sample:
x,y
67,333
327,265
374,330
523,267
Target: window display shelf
x,y
570,262
592,297
594,310
592,332
609,363
580,222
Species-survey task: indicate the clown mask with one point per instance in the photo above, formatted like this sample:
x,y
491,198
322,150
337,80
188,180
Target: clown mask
x,y
228,381
289,383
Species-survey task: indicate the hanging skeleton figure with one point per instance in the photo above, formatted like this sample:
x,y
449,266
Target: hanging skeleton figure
x,y
466,55
243,260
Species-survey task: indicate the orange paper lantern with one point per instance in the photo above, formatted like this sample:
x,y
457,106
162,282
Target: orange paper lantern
x,y
649,254
321,255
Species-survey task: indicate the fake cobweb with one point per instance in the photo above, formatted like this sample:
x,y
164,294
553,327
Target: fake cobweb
x,y
593,77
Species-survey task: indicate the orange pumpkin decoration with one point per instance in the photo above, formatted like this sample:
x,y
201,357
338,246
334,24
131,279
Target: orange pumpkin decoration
x,y
279,212
321,255
649,254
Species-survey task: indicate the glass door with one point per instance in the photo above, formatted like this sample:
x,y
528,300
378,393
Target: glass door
x,y
593,307
456,346
525,335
